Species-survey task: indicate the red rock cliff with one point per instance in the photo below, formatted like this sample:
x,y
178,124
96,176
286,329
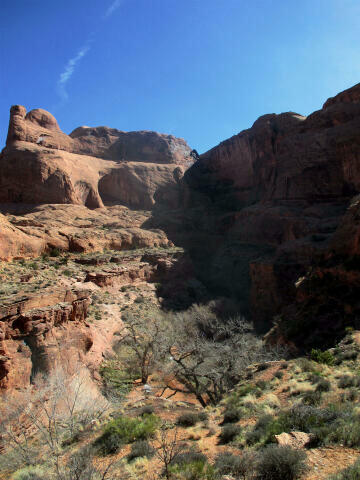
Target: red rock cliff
x,y
266,204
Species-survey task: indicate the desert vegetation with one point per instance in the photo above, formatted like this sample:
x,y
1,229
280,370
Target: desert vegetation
x,y
219,396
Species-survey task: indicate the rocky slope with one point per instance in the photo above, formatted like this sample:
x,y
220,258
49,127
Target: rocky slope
x,y
63,310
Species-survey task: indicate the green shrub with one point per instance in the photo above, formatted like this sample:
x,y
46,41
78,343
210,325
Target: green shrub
x,y
322,357
350,473
315,377
193,471
245,390
306,365
190,456
124,430
31,473
188,419
141,448
231,415
323,385
346,381
192,465
303,418
312,398
238,466
347,355
229,432
147,410
280,463
279,374
264,430
261,384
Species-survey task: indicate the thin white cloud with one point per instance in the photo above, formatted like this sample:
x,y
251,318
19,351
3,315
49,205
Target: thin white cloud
x,y
115,4
72,63
69,70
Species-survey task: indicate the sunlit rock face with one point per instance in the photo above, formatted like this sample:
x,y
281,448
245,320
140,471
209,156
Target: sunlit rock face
x,y
41,164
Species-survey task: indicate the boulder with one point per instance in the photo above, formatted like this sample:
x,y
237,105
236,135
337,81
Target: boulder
x,y
294,439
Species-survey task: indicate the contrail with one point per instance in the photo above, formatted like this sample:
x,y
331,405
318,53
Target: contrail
x,y
116,4
69,70
71,64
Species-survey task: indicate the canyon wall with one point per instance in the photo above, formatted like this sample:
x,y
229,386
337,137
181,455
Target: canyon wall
x,y
264,207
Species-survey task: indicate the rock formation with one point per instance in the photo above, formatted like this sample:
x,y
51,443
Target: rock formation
x,y
41,164
41,332
265,205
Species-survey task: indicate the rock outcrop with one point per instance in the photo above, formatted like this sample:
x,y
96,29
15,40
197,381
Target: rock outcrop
x,y
29,232
41,164
41,332
264,206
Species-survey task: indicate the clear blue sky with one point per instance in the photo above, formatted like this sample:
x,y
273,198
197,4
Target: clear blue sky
x,y
199,69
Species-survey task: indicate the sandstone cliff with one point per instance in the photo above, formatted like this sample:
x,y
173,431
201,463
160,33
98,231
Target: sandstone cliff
x,y
41,164
264,206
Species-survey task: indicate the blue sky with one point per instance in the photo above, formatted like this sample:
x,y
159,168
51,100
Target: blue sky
x,y
198,69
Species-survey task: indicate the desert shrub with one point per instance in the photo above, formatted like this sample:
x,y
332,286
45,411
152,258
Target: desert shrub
x,y
261,384
280,463
322,357
262,366
188,419
279,374
264,430
306,365
147,410
312,398
231,415
67,273
203,416
351,395
323,385
315,377
345,431
123,430
31,473
239,466
347,355
229,432
141,448
54,252
304,418
191,456
118,376
192,465
193,471
346,381
349,473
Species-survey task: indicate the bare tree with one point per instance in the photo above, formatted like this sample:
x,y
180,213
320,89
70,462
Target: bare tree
x,y
81,467
167,446
38,420
206,356
142,334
